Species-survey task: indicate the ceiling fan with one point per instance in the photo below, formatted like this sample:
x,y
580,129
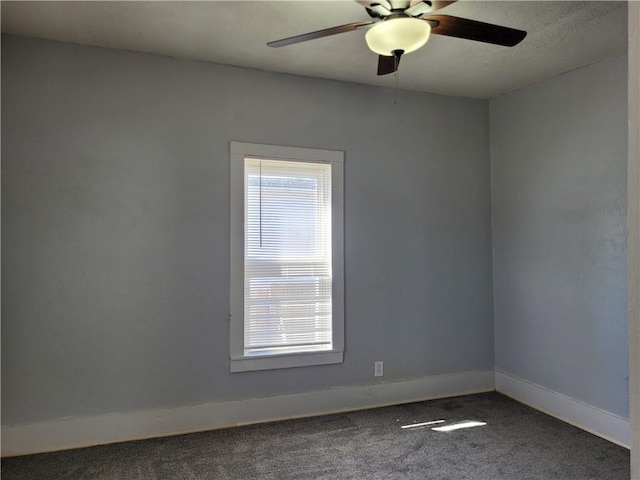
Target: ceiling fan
x,y
403,26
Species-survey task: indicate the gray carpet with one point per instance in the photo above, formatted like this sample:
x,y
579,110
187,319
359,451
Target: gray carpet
x,y
518,443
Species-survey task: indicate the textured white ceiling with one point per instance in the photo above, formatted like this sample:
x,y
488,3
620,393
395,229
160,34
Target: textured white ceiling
x,y
563,35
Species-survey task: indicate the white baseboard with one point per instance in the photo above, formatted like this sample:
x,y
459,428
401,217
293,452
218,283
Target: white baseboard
x,y
592,419
66,433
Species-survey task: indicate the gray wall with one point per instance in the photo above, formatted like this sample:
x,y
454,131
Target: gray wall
x,y
558,162
633,238
115,228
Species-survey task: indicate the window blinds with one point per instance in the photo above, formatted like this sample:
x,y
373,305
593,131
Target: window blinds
x,y
287,256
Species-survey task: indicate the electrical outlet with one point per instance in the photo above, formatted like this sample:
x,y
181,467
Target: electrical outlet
x,y
378,369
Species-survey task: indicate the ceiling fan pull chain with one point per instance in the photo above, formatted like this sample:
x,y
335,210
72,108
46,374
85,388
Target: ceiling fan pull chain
x,y
396,58
395,93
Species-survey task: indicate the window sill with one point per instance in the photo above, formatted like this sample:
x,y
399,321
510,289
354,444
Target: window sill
x,y
271,362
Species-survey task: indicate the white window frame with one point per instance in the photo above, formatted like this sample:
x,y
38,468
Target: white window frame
x,y
238,361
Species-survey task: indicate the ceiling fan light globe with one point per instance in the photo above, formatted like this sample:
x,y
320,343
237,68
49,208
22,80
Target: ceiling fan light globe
x,y
406,34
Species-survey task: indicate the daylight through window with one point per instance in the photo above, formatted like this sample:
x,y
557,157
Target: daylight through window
x,y
287,264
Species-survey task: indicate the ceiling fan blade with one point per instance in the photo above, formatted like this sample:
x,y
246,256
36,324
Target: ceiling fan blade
x,y
369,4
425,6
387,65
379,10
349,27
438,4
473,30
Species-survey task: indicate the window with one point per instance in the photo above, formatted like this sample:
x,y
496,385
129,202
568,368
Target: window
x,y
287,307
